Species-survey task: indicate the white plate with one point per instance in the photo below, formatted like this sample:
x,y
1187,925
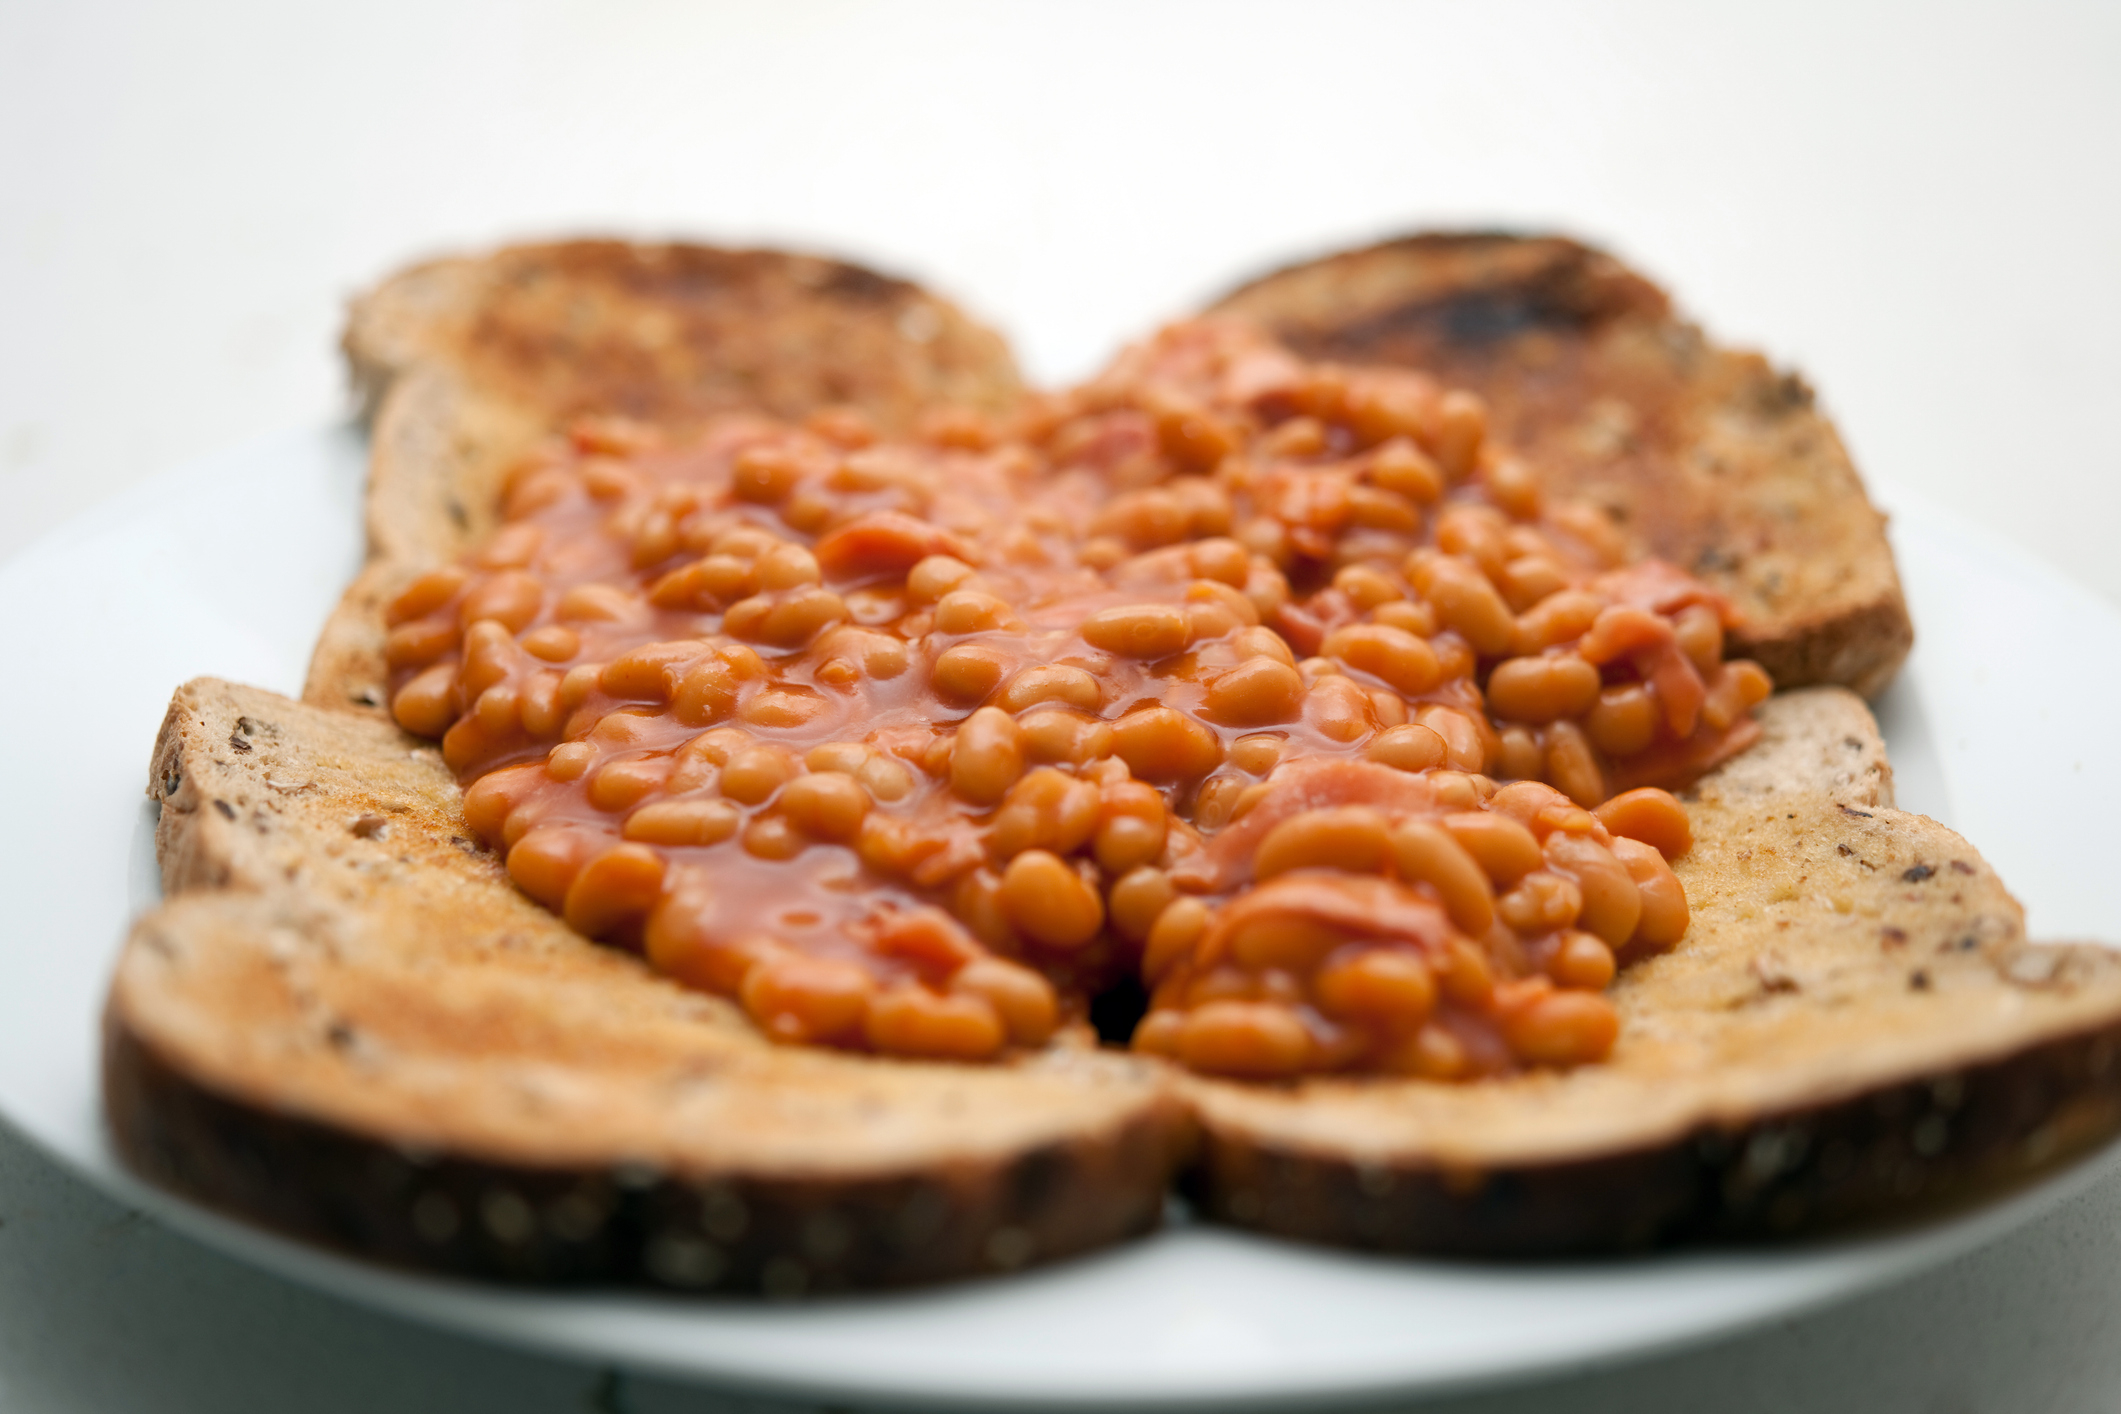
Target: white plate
x,y
228,567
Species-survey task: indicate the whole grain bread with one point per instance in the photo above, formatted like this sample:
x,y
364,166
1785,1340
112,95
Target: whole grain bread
x,y
1855,1026
464,364
345,1022
1709,457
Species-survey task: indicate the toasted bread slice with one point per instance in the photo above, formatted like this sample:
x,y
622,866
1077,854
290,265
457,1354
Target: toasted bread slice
x,y
1854,1024
345,1022
1709,457
464,364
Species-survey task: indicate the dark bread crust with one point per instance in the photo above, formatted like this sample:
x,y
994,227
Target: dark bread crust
x,y
619,1224
346,1023
464,364
1709,457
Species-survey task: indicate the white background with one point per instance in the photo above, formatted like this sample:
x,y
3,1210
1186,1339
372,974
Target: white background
x,y
1920,207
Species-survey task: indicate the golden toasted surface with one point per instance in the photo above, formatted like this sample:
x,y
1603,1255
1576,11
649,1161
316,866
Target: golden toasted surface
x,y
1710,457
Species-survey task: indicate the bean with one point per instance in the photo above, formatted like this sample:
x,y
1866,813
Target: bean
x,y
1023,1000
428,704
1221,559
1427,853
773,836
1146,631
614,891
934,577
554,643
756,772
1262,642
707,692
1505,850
1456,434
1354,838
490,799
805,1000
599,603
1293,942
425,595
826,806
1051,683
1523,759
1060,735
1554,620
1564,1028
511,597
1393,655
1541,689
567,761
1583,962
1391,986
1256,755
1399,466
1651,816
1572,766
1259,1040
1049,902
988,756
1173,936
1132,827
681,824
1137,900
1664,905
1339,709
971,611
1624,721
1465,750
416,644
1465,601
783,706
1612,905
1255,693
1541,902
1367,587
620,783
1699,631
909,1020
967,672
766,475
1047,809
1411,747
1160,744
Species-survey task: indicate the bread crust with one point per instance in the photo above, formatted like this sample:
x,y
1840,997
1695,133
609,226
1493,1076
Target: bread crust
x,y
1710,457
464,364
345,1022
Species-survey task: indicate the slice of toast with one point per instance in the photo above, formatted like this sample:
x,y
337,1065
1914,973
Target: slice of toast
x,y
345,1022
1710,458
1853,1026
464,364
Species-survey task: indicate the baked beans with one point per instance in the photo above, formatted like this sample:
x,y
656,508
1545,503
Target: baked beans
x,y
1278,687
